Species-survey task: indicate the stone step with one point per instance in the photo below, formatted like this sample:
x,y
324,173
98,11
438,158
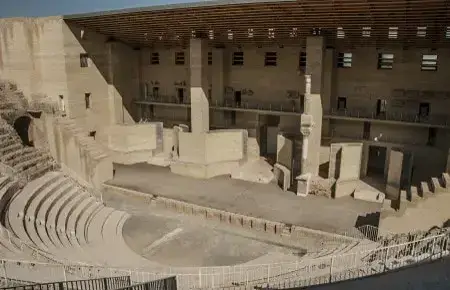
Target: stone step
x,y
12,148
12,155
81,224
62,220
31,212
16,207
24,157
74,216
96,224
39,170
436,185
53,215
30,163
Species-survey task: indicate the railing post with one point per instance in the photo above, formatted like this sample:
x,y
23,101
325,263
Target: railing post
x,y
331,268
385,259
200,277
64,273
5,275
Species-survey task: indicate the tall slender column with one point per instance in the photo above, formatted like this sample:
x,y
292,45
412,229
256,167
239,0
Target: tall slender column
x,y
198,53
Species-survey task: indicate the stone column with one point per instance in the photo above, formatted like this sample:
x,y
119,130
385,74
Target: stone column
x,y
313,104
306,132
198,54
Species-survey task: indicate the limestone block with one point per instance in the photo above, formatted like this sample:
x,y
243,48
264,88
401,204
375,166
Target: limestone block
x,y
254,171
404,195
368,195
345,188
270,227
414,193
424,188
247,223
283,175
446,180
258,225
303,184
435,185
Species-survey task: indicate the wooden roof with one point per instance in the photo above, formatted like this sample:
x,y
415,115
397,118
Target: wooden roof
x,y
421,23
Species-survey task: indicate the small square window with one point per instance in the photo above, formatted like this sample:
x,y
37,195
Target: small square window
x,y
340,33
366,31
250,33
429,62
211,34
84,60
421,31
238,58
210,58
179,58
342,103
270,59
294,32
385,60
230,35
87,100
345,60
155,58
271,33
447,32
302,61
393,33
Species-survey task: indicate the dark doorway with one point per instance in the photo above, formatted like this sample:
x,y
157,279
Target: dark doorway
x,y
424,110
180,95
432,132
342,103
366,132
155,92
237,98
376,162
22,125
381,108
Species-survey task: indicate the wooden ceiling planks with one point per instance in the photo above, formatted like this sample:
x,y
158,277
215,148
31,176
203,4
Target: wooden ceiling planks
x,y
288,21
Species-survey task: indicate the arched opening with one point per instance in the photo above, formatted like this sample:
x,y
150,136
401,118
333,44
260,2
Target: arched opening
x,y
21,125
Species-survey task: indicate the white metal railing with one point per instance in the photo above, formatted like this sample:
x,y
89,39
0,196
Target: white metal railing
x,y
305,271
286,107
440,120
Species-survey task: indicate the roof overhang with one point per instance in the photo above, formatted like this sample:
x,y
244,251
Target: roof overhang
x,y
355,22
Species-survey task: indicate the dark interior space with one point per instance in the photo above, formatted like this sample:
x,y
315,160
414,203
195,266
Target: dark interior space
x,y
376,162
21,125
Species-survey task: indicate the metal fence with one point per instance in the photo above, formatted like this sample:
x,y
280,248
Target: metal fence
x,y
398,250
439,120
109,283
169,283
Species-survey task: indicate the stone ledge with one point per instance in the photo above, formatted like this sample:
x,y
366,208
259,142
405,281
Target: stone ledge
x,y
217,215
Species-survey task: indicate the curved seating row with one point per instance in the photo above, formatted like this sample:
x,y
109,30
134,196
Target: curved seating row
x,y
55,214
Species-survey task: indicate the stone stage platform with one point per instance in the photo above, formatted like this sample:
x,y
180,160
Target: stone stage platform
x,y
265,201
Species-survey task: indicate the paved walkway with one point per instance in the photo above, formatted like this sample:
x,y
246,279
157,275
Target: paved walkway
x,y
252,199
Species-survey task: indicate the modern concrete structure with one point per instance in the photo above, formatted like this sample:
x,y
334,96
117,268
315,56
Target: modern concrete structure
x,y
373,74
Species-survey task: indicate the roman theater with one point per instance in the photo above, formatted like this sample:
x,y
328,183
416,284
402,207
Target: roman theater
x,y
249,144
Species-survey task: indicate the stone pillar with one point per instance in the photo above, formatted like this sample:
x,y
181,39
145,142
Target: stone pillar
x,y
306,129
394,174
198,54
313,104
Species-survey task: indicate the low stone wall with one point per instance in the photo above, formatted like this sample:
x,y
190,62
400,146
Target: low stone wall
x,y
211,214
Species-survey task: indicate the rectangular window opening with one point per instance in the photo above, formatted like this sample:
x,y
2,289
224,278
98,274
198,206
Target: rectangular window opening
x,y
447,32
179,58
340,33
385,60
84,60
421,31
87,100
238,58
342,103
366,30
429,62
302,61
393,33
345,60
210,58
154,58
270,59
155,92
381,107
